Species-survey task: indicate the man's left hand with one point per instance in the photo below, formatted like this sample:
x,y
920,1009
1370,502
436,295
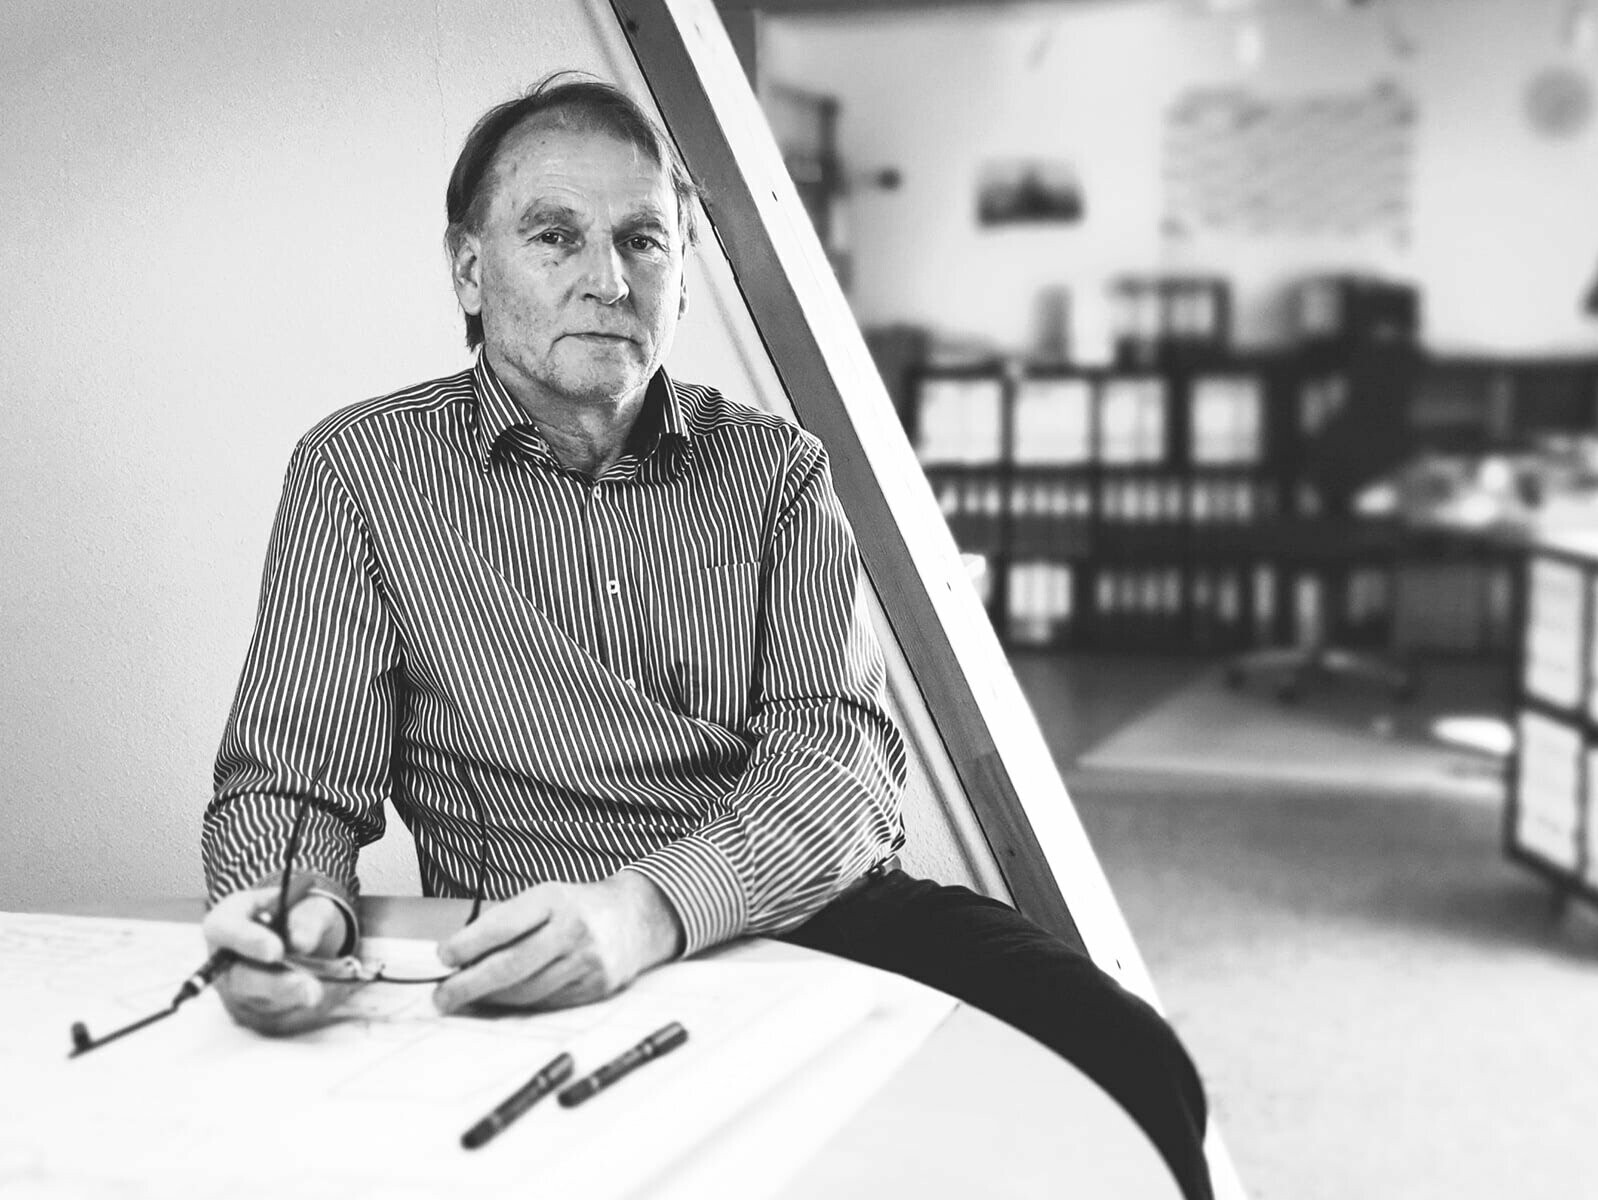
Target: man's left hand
x,y
560,944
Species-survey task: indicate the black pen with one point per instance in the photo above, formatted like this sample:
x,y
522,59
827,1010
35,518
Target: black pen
x,y
557,1071
83,1042
223,959
204,976
660,1042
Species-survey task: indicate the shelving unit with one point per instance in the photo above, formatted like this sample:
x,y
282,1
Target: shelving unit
x,y
1473,403
1189,497
959,420
1170,320
1550,824
1139,508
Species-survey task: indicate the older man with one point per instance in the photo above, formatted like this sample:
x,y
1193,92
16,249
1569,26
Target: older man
x,y
601,638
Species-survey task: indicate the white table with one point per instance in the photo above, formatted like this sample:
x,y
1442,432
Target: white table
x,y
979,1110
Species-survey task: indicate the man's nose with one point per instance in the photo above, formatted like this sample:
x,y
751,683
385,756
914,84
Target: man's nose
x,y
603,275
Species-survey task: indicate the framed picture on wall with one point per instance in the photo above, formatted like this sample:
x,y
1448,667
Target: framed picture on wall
x,y
1029,190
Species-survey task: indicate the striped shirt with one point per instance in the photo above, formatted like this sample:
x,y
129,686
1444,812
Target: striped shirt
x,y
669,668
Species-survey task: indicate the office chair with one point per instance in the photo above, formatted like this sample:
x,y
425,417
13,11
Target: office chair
x,y
1349,427
1319,659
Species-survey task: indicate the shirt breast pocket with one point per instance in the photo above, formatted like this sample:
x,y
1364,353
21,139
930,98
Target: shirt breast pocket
x,y
707,633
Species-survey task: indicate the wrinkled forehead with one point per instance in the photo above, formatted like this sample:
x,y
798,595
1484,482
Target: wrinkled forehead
x,y
579,122
564,150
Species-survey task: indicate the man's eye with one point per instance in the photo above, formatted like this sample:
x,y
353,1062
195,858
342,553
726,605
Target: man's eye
x,y
551,237
640,241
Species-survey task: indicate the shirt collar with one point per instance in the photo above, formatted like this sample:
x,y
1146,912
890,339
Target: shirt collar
x,y
663,426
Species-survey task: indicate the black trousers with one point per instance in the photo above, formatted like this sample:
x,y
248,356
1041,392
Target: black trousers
x,y
985,953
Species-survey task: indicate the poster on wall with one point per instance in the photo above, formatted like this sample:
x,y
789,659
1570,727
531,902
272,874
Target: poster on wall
x,y
1324,164
1029,191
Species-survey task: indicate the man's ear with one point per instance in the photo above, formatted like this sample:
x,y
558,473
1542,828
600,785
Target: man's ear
x,y
466,272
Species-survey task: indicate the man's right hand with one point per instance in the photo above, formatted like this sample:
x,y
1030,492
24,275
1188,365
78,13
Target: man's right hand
x,y
277,999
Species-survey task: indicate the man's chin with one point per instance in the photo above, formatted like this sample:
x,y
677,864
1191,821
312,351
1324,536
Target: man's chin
x,y
603,387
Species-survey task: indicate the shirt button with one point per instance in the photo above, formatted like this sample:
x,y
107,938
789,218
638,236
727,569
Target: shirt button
x,y
613,587
631,682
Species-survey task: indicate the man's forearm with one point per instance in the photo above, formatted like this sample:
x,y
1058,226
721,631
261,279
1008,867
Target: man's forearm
x,y
308,730
800,827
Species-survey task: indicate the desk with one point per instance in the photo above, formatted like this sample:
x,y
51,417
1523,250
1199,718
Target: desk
x,y
980,1110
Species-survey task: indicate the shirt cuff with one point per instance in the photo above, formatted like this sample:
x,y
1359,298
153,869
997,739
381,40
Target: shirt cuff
x,y
701,887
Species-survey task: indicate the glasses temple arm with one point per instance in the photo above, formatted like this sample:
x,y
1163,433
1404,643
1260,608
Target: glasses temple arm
x,y
482,839
280,919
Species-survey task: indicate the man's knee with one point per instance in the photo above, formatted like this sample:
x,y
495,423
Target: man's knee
x,y
993,958
1119,1041
1063,999
997,960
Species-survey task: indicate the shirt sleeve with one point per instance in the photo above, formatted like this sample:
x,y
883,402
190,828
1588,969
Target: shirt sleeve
x,y
818,802
312,721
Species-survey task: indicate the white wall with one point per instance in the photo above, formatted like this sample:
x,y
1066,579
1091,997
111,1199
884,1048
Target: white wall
x,y
1505,221
218,222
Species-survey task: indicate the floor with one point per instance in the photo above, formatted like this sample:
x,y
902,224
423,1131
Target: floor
x,y
1382,1004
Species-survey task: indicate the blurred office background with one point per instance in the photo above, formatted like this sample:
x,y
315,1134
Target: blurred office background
x,y
1251,349
1223,329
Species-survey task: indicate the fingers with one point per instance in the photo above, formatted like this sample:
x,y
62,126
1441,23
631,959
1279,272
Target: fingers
x,y
269,1000
522,994
516,962
261,993
565,983
276,1002
500,926
280,1002
544,948
242,923
316,926
234,923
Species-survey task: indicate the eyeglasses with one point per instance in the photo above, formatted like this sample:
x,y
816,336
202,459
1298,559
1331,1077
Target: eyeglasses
x,y
350,968
346,969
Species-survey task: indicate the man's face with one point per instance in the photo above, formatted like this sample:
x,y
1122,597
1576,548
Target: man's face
x,y
577,270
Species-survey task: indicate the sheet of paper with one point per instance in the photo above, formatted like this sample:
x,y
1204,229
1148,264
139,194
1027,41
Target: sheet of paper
x,y
376,1103
788,1125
